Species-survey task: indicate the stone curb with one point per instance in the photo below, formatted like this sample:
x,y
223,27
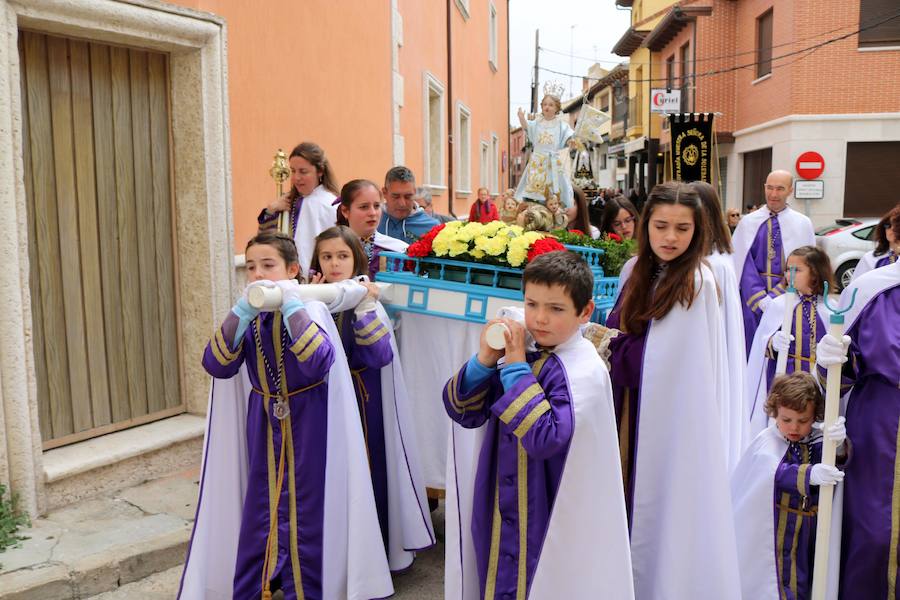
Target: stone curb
x,y
97,573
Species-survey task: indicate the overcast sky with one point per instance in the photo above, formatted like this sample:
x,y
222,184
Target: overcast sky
x,y
598,25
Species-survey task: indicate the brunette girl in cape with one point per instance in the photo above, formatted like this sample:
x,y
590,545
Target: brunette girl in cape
x,y
666,369
809,322
359,208
280,487
367,336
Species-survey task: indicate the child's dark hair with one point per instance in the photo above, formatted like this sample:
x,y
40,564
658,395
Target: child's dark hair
x,y
285,245
795,391
348,192
882,245
564,268
360,262
640,302
819,267
719,239
611,213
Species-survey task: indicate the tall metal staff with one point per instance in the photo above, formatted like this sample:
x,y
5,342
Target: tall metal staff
x,y
832,401
280,172
790,298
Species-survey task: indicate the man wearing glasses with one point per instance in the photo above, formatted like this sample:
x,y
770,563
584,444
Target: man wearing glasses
x,y
762,242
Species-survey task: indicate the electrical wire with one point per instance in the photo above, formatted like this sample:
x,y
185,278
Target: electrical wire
x,y
892,16
714,72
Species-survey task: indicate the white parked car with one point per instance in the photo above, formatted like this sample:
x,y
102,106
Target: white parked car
x,y
845,241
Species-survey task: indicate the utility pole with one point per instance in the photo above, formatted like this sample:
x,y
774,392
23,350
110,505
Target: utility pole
x,y
571,57
535,79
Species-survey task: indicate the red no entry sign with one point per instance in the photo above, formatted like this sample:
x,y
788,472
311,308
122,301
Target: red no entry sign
x,y
810,165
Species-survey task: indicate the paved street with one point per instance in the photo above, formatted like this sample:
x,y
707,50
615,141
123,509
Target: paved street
x,y
423,582
131,545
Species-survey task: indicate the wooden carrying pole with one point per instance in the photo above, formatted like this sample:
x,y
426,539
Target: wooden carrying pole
x,y
826,493
789,300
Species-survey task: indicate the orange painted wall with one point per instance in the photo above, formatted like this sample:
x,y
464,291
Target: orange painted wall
x,y
312,70
475,83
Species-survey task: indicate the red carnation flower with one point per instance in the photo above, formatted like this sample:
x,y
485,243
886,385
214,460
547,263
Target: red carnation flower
x,y
576,231
614,236
543,246
422,247
419,249
432,233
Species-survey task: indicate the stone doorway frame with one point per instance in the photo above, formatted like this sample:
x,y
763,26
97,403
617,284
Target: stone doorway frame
x,y
196,43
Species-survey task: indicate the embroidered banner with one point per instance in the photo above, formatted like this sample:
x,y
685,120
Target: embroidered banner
x,y
692,146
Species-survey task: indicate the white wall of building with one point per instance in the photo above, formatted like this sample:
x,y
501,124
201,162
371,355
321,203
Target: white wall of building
x,y
826,134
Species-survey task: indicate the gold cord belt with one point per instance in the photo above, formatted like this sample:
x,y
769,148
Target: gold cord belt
x,y
289,394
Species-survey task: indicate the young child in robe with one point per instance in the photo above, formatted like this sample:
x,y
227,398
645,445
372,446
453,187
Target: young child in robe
x,y
288,358
775,490
809,322
547,498
367,336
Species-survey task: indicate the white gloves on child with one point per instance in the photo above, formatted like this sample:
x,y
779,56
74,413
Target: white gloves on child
x,y
366,306
837,433
781,341
831,351
290,290
825,475
764,303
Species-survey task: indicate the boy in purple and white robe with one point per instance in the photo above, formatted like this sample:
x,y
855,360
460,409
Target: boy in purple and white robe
x,y
775,490
870,552
762,242
546,498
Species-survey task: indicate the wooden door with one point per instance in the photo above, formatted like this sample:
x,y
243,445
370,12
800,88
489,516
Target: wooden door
x,y
101,235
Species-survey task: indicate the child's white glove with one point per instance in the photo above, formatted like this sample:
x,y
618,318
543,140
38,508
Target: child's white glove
x,y
781,341
290,290
837,433
367,305
764,303
825,475
831,351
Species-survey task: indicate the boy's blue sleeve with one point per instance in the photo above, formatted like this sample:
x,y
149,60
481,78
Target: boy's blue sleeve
x,y
511,374
475,374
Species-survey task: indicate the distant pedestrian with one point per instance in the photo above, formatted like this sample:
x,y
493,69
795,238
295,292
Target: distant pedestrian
x,y
734,217
426,202
483,210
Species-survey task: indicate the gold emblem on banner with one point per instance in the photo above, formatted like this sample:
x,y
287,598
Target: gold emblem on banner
x,y
690,155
